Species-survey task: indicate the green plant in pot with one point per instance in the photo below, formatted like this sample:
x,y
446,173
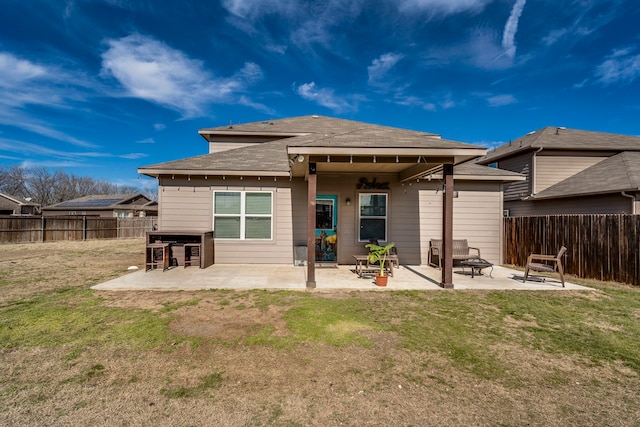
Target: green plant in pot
x,y
378,254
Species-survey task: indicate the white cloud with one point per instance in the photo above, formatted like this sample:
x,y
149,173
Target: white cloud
x,y
252,9
381,66
443,7
414,101
501,100
146,141
159,126
24,148
622,66
14,70
25,83
511,28
325,97
308,22
151,70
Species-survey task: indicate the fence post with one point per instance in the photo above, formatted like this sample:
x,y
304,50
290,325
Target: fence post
x,y
84,227
42,227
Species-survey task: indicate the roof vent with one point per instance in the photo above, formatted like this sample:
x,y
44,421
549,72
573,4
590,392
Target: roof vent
x,y
532,132
315,116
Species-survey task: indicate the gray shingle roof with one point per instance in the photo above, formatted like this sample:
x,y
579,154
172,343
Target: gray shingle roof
x,y
301,125
304,131
564,139
473,170
614,174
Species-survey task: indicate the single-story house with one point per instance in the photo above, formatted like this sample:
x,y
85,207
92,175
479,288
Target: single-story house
x,y
105,206
14,205
570,171
324,187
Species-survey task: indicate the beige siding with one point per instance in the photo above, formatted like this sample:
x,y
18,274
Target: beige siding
x,y
217,147
551,169
402,216
188,205
606,204
344,186
224,143
521,164
414,216
277,251
477,217
184,205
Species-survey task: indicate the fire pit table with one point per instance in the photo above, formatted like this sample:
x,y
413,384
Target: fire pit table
x,y
476,265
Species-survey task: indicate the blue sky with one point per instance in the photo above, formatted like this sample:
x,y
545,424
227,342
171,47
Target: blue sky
x,y
101,87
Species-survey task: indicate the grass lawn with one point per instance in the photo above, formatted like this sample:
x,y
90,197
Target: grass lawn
x,y
73,356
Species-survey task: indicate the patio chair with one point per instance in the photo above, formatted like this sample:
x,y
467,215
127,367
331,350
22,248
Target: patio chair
x,y
546,264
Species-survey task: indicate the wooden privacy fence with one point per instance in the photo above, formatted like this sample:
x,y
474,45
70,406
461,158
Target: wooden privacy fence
x,y
48,229
602,247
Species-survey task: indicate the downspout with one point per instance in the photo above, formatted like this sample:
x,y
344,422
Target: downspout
x,y
534,171
633,202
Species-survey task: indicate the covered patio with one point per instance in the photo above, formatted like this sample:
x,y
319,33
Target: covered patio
x,y
289,277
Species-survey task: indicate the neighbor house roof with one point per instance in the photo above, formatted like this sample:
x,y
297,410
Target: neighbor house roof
x,y
614,174
8,200
311,135
559,138
102,202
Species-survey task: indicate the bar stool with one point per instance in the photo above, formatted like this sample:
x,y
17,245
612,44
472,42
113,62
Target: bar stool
x,y
191,254
157,255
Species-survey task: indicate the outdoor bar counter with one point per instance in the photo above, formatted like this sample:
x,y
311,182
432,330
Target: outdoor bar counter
x,y
185,246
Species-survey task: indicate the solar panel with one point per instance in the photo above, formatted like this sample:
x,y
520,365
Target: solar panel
x,y
91,203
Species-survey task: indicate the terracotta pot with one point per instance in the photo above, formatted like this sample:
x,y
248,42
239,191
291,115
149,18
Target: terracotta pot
x,y
381,280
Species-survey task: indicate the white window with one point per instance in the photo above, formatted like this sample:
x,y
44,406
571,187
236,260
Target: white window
x,y
243,215
373,216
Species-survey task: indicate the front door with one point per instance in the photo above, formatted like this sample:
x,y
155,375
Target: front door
x,y
326,228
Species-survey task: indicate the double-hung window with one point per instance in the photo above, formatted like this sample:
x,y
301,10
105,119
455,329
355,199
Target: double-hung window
x,y
373,216
243,215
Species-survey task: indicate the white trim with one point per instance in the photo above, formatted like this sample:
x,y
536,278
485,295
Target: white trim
x,y
243,215
385,217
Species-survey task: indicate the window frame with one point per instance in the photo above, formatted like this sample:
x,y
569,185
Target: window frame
x,y
243,215
385,217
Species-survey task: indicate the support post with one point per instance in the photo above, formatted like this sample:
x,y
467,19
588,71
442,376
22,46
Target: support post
x,y
311,226
447,227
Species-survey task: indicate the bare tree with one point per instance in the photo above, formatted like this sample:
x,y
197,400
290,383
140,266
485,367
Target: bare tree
x,y
48,188
13,181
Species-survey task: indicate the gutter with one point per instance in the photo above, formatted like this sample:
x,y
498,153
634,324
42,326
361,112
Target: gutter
x,y
633,201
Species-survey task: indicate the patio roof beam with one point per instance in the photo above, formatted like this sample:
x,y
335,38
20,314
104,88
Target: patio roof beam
x,y
422,169
370,159
311,225
447,227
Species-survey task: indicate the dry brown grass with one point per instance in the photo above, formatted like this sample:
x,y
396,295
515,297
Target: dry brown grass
x,y
225,381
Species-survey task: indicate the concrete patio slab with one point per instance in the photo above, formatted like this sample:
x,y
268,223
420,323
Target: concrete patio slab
x,y
251,276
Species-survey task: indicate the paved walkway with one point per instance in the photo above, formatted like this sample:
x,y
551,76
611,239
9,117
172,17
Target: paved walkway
x,y
240,276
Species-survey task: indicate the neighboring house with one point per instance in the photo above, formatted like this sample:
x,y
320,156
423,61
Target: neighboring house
x,y
13,205
263,183
570,172
106,206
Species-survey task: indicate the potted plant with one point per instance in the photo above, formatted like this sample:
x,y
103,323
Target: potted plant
x,y
378,254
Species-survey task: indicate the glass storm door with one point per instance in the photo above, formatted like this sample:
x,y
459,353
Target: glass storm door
x,y
326,228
